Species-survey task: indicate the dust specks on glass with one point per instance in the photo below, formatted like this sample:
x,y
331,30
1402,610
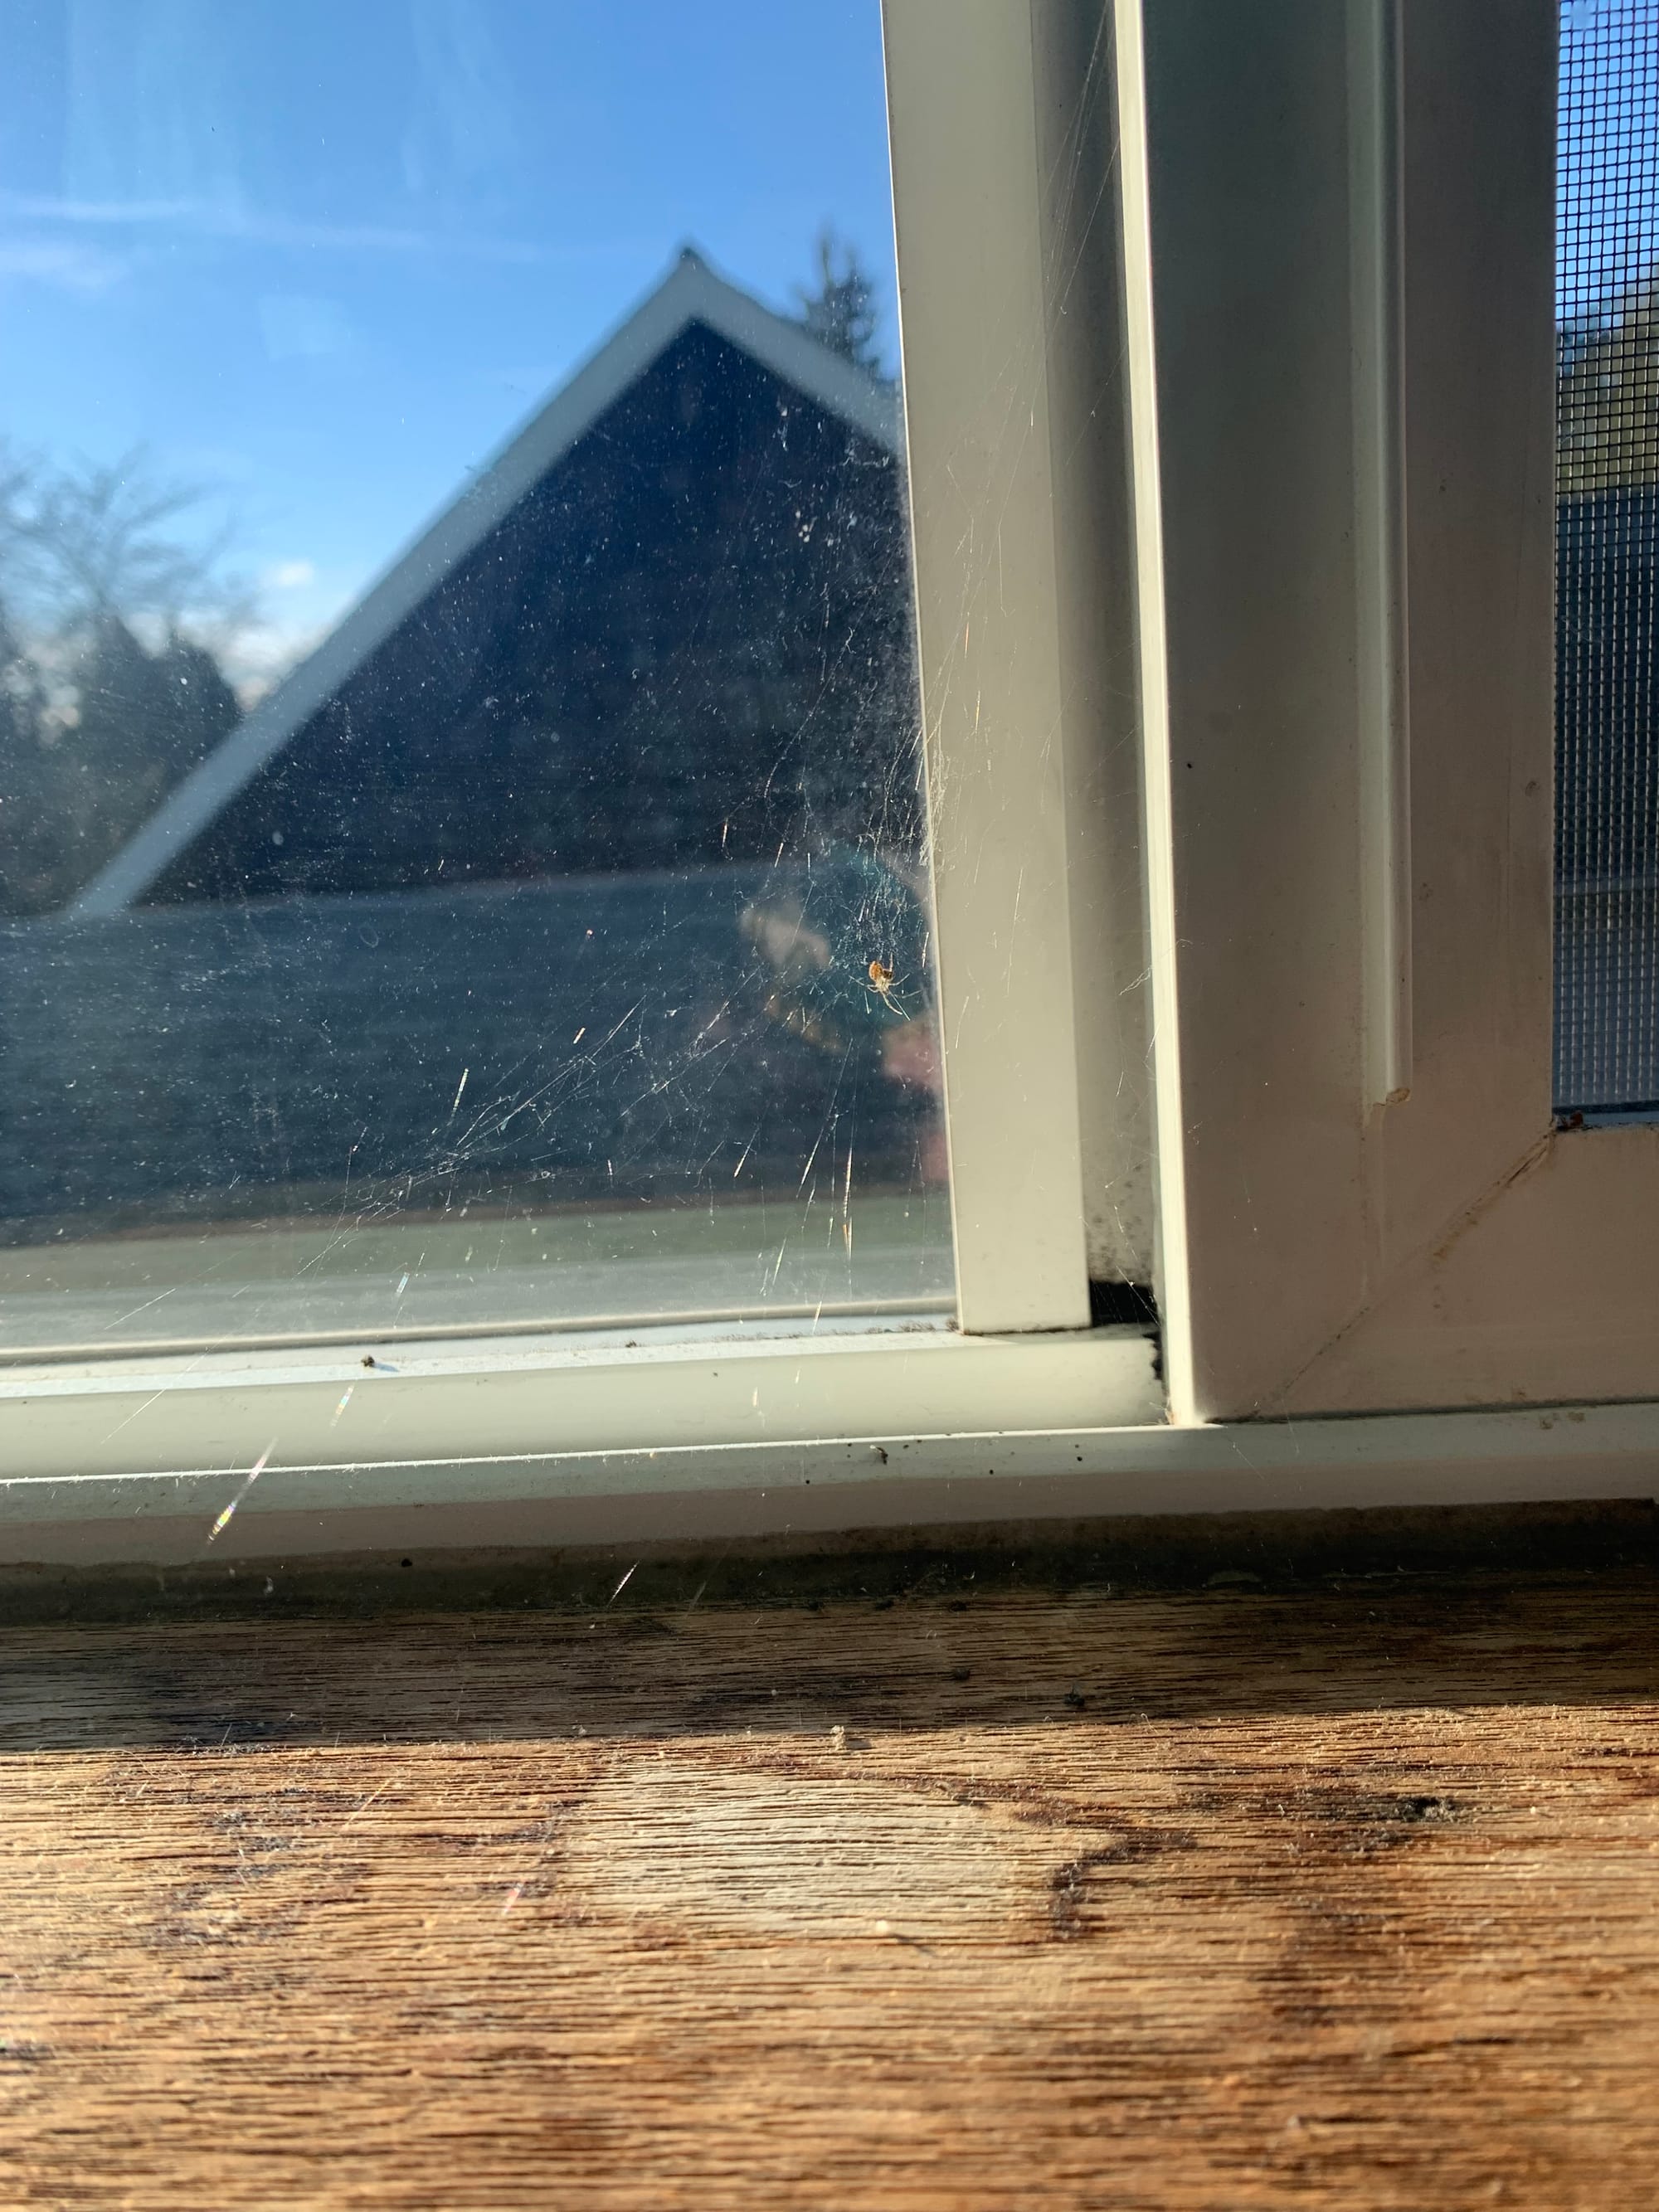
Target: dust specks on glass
x,y
462,859
1607,894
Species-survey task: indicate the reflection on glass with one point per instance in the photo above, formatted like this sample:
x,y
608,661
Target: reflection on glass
x,y
454,876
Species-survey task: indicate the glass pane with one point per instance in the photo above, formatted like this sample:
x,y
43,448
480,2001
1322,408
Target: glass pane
x,y
1607,963
461,859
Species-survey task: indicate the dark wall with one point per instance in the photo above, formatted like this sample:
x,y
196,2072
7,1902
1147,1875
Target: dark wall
x,y
1607,687
691,642
1607,802
211,1060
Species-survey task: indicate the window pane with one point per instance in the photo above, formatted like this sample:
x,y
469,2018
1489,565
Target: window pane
x,y
1607,1046
461,858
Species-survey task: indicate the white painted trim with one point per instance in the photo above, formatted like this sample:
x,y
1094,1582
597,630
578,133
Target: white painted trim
x,y
643,1393
1342,1254
697,1493
803,1318
1092,494
690,294
1172,1283
999,717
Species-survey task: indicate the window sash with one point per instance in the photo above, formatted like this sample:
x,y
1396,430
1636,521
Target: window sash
x,y
1340,1250
1034,818
1002,127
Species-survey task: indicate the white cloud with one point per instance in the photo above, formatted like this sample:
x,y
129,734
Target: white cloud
x,y
289,575
258,661
69,263
211,219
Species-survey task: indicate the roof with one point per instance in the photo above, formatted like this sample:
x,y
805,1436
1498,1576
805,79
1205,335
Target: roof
x,y
691,294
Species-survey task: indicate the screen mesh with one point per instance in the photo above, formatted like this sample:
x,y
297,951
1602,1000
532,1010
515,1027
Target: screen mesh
x,y
1607,859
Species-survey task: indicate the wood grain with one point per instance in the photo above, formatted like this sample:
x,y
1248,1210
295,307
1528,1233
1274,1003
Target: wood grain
x,y
1347,1897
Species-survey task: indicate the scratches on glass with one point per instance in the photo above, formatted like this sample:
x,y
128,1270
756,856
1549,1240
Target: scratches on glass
x,y
513,918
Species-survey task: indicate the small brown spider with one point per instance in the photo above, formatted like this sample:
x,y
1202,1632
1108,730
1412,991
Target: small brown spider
x,y
879,979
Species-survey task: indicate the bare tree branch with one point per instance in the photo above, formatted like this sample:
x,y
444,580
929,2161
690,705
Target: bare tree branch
x,y
92,540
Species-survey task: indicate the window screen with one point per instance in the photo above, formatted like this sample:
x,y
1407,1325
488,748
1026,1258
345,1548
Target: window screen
x,y
1606,973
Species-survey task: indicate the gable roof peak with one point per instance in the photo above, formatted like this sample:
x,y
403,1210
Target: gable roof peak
x,y
690,293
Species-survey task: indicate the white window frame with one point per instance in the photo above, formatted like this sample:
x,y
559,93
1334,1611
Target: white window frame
x,y
1289,640
1375,1210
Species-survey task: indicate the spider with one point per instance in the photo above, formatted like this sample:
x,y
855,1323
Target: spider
x,y
880,978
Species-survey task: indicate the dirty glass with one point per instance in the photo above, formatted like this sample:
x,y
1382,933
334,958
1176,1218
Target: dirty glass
x,y
461,841
1607,938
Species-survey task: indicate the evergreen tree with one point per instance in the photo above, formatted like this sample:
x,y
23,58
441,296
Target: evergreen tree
x,y
94,729
842,311
30,829
114,754
201,707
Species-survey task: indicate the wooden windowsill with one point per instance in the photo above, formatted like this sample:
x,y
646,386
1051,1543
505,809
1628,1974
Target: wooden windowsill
x,y
945,1888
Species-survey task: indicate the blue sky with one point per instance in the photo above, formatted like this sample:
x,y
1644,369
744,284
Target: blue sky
x,y
1607,204
324,254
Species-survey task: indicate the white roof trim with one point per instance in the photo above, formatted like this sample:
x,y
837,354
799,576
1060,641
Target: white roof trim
x,y
691,294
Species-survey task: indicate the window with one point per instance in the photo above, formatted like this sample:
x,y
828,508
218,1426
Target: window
x,y
462,845
1230,384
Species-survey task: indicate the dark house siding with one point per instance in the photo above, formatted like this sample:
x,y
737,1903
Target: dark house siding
x,y
1606,807
690,642
1607,688
302,1058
